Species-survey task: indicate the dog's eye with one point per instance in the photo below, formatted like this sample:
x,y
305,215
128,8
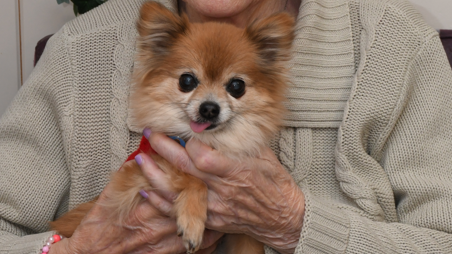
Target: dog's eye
x,y
187,82
236,88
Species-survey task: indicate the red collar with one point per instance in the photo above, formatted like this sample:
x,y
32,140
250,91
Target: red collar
x,y
144,147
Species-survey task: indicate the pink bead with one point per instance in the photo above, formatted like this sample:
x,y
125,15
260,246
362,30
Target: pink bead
x,y
43,253
45,249
57,238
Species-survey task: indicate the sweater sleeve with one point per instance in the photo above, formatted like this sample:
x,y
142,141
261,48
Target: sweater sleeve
x,y
34,174
417,160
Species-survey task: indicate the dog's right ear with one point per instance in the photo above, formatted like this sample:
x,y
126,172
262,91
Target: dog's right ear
x,y
159,28
273,37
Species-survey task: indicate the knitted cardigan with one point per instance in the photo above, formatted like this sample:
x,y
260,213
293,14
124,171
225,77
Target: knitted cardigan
x,y
368,137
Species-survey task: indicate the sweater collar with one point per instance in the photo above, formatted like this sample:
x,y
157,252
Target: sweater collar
x,y
322,66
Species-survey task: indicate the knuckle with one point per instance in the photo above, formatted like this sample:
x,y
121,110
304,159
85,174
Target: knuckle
x,y
162,206
182,162
216,220
227,193
204,161
152,238
137,217
172,197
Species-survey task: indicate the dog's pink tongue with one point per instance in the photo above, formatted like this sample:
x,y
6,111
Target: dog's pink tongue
x,y
198,127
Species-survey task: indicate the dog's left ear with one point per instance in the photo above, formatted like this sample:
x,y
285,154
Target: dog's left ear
x,y
159,28
273,37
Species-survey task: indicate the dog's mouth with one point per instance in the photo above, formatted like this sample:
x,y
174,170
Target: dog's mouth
x,y
199,127
212,126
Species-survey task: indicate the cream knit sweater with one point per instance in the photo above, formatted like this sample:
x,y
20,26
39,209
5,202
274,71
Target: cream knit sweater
x,y
369,137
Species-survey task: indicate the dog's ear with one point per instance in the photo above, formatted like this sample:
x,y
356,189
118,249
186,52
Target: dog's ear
x,y
159,28
273,37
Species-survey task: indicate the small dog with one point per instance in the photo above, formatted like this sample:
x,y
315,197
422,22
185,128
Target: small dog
x,y
214,82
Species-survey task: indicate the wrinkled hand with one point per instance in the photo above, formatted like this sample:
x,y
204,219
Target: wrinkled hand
x,y
255,196
147,230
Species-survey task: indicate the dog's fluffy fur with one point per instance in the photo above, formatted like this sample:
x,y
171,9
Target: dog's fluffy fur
x,y
214,54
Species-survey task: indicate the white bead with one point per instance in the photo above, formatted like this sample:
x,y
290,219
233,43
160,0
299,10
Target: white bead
x,y
51,240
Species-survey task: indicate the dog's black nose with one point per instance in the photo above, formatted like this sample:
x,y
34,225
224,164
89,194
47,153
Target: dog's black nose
x,y
209,110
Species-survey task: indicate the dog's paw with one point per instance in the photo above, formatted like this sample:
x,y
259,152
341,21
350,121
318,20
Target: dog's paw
x,y
191,229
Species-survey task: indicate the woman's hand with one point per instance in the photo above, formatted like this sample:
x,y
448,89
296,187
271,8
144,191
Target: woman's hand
x,y
254,196
147,230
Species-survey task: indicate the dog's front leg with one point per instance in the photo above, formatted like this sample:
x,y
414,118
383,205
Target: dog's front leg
x,y
190,209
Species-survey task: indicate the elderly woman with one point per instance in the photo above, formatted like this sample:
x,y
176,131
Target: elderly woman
x,y
364,160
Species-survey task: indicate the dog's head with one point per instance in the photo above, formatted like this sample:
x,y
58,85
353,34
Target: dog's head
x,y
212,81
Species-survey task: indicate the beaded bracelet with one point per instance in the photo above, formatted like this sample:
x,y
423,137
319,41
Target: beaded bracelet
x,y
50,241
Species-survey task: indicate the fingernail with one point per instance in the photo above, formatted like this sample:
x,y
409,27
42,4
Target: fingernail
x,y
147,132
138,159
144,194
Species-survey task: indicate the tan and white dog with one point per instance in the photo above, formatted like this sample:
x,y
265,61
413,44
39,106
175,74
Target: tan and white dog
x,y
214,82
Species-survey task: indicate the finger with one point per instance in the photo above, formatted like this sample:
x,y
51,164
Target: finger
x,y
158,202
174,153
147,228
209,250
212,162
169,244
148,219
144,214
156,177
207,159
210,238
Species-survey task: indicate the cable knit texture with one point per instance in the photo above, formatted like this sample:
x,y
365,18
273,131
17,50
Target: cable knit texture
x,y
368,138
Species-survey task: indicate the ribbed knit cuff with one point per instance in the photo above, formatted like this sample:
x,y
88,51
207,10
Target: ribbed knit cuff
x,y
325,228
30,244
